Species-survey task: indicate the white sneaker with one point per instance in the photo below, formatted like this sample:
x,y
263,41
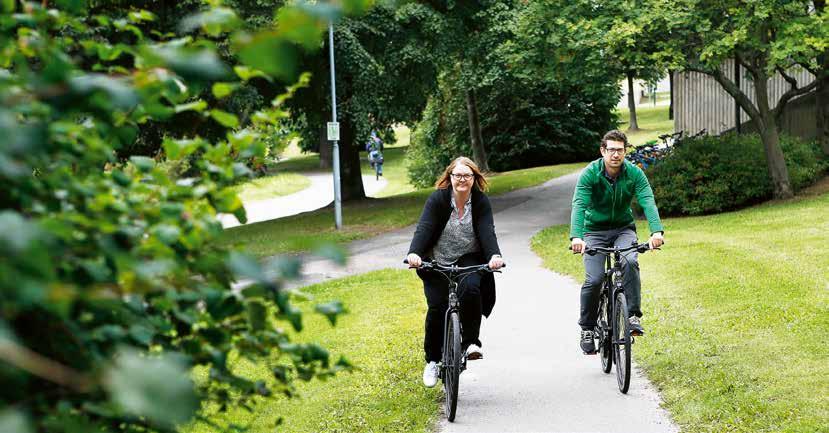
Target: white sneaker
x,y
430,374
474,352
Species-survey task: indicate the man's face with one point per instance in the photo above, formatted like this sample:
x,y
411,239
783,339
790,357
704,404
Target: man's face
x,y
614,154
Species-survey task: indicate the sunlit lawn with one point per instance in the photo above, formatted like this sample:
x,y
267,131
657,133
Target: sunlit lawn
x,y
382,336
736,309
364,218
271,186
653,122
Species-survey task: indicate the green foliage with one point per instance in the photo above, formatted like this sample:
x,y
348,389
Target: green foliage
x,y
525,124
718,173
377,55
112,284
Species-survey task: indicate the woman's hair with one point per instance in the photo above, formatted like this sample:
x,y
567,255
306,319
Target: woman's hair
x,y
444,181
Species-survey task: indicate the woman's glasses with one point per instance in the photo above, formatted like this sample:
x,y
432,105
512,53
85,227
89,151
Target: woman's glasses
x,y
463,177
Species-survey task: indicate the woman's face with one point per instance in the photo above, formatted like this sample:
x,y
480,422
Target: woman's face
x,y
462,178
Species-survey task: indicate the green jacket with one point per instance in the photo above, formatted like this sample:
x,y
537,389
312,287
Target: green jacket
x,y
598,205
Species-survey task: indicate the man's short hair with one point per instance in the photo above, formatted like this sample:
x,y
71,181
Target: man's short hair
x,y
615,135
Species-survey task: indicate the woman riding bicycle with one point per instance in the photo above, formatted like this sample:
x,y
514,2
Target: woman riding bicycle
x,y
456,226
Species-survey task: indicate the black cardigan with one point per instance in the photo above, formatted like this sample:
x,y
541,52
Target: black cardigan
x,y
432,221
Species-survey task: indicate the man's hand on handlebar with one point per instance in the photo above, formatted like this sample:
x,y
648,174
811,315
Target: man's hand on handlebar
x,y
656,240
577,245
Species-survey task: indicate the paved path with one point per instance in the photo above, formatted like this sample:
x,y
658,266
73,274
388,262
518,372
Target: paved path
x,y
534,377
319,194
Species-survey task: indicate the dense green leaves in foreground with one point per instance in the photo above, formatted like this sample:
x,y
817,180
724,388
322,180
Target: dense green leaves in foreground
x,y
111,285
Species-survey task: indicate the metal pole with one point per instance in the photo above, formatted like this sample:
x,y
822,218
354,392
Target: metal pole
x,y
338,209
737,121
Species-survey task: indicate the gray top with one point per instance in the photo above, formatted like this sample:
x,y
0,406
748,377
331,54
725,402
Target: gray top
x,y
458,237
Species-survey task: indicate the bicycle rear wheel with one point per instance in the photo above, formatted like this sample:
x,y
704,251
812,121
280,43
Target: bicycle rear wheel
x,y
605,346
452,364
621,342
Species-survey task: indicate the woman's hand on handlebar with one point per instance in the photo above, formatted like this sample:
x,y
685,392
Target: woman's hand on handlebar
x,y
496,262
414,260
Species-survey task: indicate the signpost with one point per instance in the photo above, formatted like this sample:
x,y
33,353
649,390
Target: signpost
x,y
334,133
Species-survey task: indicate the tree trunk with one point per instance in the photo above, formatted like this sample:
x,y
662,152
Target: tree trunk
x,y
478,151
822,93
822,103
671,104
775,161
326,150
634,125
770,135
351,178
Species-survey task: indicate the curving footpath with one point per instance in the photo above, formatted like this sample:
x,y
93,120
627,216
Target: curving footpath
x,y
319,194
533,377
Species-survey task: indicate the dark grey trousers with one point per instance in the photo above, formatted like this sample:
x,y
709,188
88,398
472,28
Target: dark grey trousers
x,y
594,267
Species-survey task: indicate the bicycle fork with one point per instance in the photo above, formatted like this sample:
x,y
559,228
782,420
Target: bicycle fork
x,y
454,305
618,287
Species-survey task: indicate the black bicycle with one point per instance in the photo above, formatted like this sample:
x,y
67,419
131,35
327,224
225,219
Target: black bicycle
x,y
612,329
453,359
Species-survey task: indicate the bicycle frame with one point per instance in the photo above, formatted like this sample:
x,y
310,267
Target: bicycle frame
x,y
610,342
450,373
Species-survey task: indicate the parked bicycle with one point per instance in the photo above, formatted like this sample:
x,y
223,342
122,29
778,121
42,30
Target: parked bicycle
x,y
453,359
612,331
653,152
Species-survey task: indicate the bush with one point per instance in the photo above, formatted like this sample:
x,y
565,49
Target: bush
x,y
112,285
523,124
713,174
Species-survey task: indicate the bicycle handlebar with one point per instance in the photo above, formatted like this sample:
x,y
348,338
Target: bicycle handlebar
x,y
592,251
454,268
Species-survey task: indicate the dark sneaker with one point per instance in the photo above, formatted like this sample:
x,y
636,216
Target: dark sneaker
x,y
587,344
474,352
636,326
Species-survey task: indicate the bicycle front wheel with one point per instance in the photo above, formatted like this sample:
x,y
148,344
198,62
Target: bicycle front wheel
x,y
604,337
452,364
621,342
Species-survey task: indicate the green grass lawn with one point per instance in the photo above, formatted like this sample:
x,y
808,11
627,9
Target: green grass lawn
x,y
363,219
382,336
653,122
736,307
263,188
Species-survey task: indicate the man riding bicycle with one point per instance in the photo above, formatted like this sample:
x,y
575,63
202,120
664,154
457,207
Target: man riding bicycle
x,y
601,217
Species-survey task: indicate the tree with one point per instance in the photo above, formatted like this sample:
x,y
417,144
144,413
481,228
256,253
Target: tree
x,y
765,37
385,73
538,101
627,46
112,287
474,31
822,92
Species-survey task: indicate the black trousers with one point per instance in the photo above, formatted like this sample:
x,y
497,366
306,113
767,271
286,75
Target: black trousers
x,y
436,289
